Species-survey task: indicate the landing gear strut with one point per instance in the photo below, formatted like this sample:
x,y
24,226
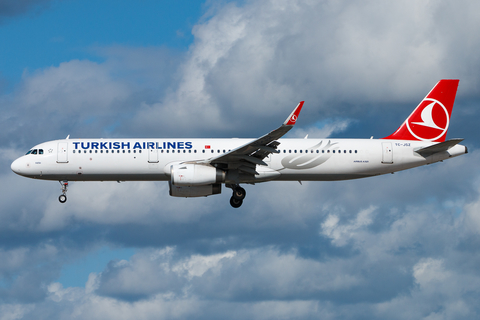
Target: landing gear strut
x,y
63,197
237,197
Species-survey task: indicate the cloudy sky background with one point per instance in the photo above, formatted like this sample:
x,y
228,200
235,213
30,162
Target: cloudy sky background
x,y
402,246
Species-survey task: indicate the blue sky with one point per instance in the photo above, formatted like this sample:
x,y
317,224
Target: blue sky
x,y
402,246
59,31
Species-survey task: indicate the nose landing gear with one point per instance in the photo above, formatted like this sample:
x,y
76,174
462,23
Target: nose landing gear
x,y
237,197
63,197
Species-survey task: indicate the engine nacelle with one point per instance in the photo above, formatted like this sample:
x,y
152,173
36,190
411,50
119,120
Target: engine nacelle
x,y
197,191
191,174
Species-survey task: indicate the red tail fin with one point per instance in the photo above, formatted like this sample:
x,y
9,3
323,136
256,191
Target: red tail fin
x,y
430,120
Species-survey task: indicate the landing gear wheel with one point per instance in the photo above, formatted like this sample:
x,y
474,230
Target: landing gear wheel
x,y
236,203
62,198
239,193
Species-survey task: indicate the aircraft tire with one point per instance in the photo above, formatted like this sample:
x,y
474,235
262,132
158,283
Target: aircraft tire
x,y
62,198
239,193
236,203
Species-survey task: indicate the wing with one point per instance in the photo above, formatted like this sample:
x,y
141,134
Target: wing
x,y
245,158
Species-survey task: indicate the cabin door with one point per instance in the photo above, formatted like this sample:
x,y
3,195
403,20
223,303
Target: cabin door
x,y
387,152
62,152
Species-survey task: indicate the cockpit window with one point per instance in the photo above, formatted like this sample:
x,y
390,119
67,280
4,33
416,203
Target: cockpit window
x,y
35,151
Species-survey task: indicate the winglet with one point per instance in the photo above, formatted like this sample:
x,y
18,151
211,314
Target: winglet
x,y
292,118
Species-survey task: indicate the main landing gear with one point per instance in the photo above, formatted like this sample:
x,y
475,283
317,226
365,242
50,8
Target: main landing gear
x,y
63,197
238,195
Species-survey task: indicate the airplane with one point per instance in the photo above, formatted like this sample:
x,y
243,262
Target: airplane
x,y
199,167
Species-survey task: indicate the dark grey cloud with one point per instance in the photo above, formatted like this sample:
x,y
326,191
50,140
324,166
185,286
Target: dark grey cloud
x,y
11,8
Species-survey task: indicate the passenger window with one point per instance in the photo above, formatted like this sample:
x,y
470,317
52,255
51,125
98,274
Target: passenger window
x,y
355,151
73,151
295,151
194,151
203,151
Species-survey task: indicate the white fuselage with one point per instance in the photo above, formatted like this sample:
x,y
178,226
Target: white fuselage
x,y
150,159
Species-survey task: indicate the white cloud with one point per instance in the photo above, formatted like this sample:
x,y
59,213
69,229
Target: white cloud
x,y
429,271
14,311
340,234
197,265
261,57
323,132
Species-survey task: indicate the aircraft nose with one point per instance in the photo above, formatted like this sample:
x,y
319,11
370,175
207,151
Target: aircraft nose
x,y
16,166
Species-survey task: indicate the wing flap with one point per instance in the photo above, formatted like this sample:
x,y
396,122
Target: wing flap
x,y
248,170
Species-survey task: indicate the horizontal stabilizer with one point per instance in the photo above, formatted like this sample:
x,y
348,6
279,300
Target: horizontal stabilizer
x,y
439,147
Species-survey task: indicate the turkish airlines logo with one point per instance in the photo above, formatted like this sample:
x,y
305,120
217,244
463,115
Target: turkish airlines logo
x,y
430,121
293,118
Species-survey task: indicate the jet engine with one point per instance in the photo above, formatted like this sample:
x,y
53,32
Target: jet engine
x,y
191,175
196,191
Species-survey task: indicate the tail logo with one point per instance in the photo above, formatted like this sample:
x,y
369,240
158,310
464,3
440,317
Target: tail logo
x,y
430,122
293,118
